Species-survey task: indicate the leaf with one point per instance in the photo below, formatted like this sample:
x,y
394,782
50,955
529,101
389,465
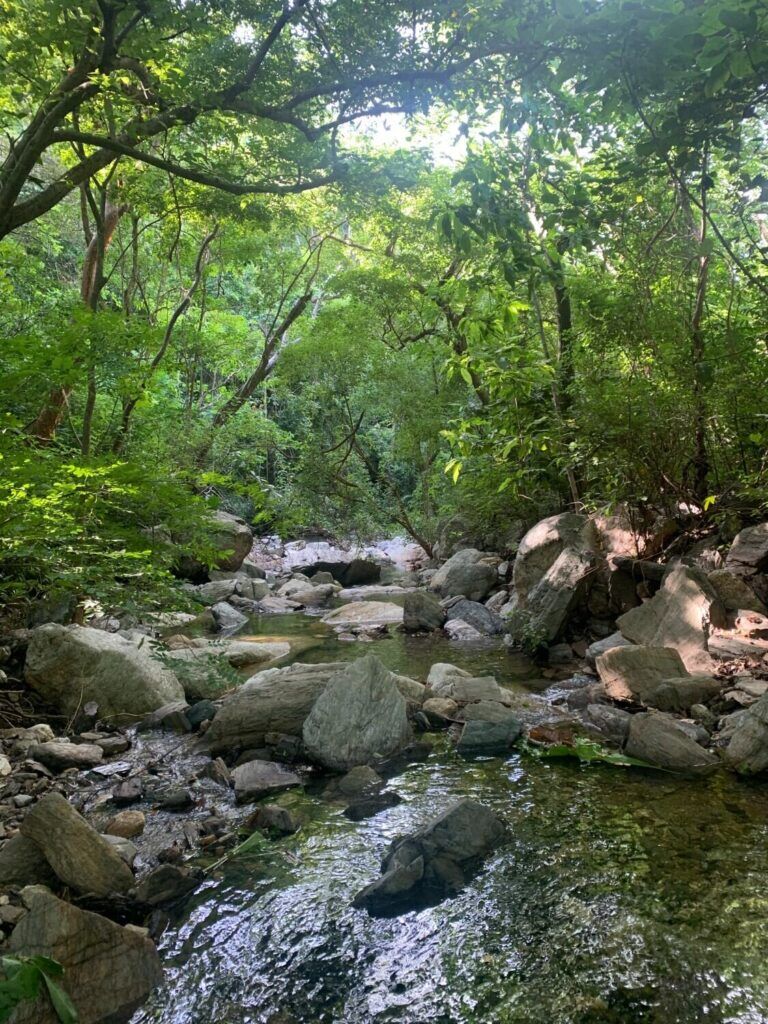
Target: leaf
x,y
62,1004
466,375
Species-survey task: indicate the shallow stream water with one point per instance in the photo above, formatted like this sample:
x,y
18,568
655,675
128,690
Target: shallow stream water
x,y
620,896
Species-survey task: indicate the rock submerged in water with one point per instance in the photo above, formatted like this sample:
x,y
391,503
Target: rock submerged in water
x,y
360,716
433,862
108,970
659,739
422,611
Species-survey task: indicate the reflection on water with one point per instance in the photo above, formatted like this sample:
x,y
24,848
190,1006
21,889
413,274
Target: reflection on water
x,y
620,897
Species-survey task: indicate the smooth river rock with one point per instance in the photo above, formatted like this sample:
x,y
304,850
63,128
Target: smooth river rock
x,y
658,739
468,574
422,611
365,613
256,779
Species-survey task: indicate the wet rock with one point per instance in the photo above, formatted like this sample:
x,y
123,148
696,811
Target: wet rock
x,y
253,590
256,779
422,611
658,740
632,673
272,819
172,717
454,683
681,615
359,781
476,615
128,792
72,665
369,806
440,711
176,800
458,629
112,745
734,592
488,738
227,617
275,700
165,885
126,824
469,573
58,756
433,861
77,853
484,711
126,850
361,715
365,613
22,863
747,751
603,646
108,971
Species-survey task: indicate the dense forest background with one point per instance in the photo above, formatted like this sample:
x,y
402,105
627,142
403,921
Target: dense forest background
x,y
368,268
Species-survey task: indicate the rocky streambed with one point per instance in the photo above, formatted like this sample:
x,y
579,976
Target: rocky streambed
x,y
302,801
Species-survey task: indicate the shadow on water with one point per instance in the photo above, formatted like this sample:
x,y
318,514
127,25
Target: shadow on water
x,y
620,897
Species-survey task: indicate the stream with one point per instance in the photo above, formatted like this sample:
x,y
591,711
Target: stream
x,y
620,896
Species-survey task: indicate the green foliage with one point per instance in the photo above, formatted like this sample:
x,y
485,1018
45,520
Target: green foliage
x,y
23,980
589,752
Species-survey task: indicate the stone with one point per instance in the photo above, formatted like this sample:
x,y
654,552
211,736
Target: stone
x,y
680,694
468,574
126,824
128,792
542,546
201,711
253,590
5,767
124,848
606,644
360,716
734,592
458,629
322,577
727,647
108,970
460,686
476,615
748,554
612,723
80,857
272,819
487,737
632,673
657,739
112,745
22,863
365,613
271,605
747,751
359,781
681,615
176,800
308,594
172,717
213,592
498,600
411,689
227,617
274,700
368,806
490,711
58,756
72,665
422,611
434,860
165,885
256,779
440,711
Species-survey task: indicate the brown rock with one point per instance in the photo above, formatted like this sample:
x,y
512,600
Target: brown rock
x,y
127,824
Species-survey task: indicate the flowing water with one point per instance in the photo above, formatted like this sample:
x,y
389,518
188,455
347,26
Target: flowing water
x,y
619,897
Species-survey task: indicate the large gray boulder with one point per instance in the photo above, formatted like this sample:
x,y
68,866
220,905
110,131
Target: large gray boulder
x,y
365,613
308,594
657,739
80,857
749,552
734,592
634,673
70,666
361,716
747,751
681,615
232,537
469,573
422,611
108,970
476,615
275,700
448,681
434,861
550,578
604,645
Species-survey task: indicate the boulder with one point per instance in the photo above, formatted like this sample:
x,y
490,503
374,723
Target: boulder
x,y
213,592
411,689
256,779
747,751
126,824
749,552
275,700
603,646
468,573
490,711
22,863
489,738
440,711
80,857
58,755
680,694
227,617
476,615
434,861
361,716
542,546
232,538
657,739
681,615
422,611
633,673
611,723
70,666
365,613
734,592
108,970
458,629
448,681
544,610
308,594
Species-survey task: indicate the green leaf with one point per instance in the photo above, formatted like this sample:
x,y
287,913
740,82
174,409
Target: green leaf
x,y
62,1004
